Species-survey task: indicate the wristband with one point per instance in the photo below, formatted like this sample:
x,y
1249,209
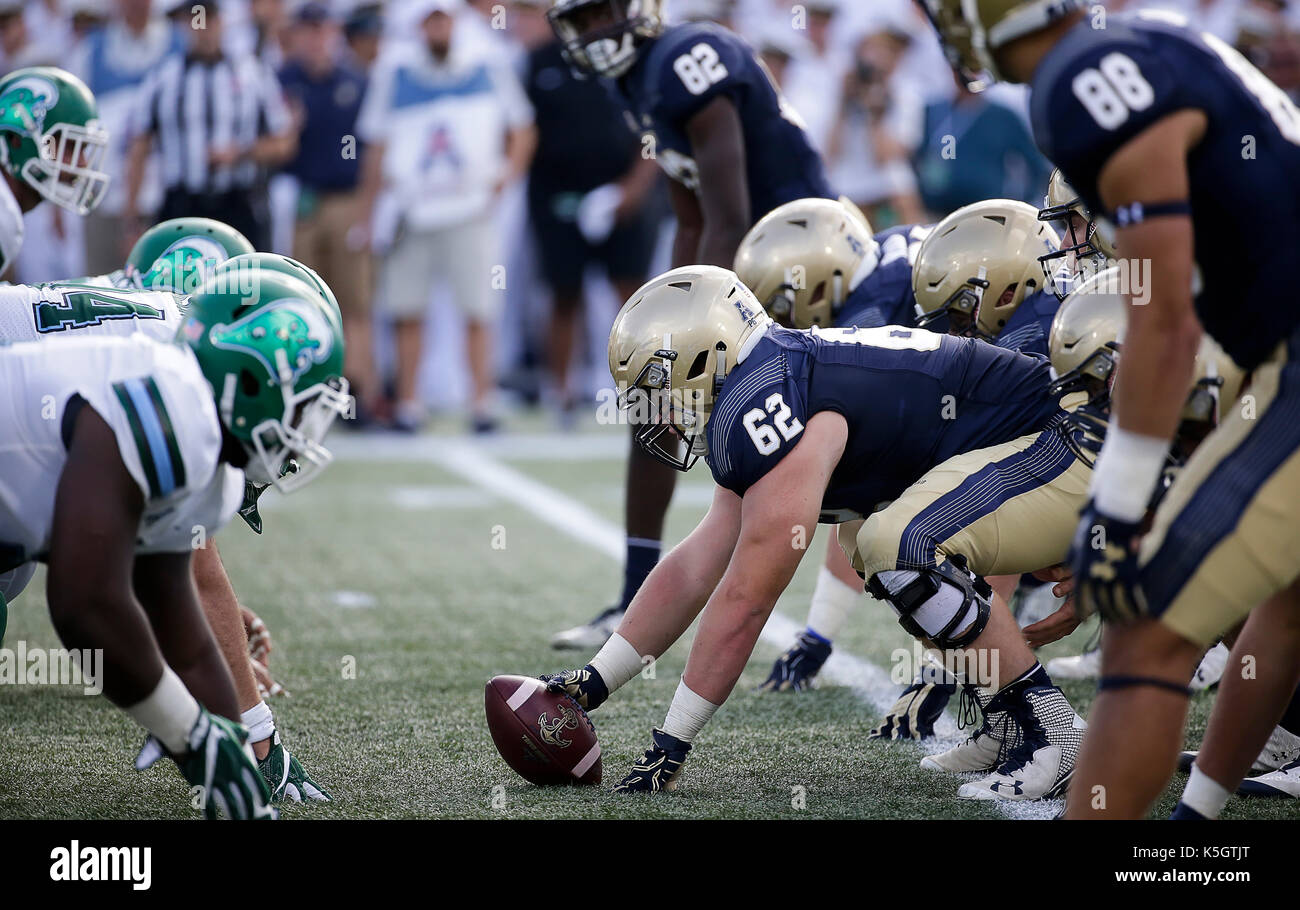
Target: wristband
x,y
1127,470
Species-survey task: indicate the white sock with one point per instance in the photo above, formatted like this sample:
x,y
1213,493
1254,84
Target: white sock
x,y
260,723
831,602
168,712
617,662
1204,795
688,714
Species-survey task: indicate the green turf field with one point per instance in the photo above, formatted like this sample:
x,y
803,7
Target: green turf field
x,y
428,565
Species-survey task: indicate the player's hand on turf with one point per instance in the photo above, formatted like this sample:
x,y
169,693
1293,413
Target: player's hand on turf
x,y
287,779
221,765
1104,561
794,670
660,767
584,686
914,714
259,637
1066,618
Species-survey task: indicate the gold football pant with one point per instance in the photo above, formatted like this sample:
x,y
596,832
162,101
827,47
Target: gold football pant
x,y
1227,535
1009,509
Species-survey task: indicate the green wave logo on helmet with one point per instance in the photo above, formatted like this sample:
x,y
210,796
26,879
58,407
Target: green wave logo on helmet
x,y
25,103
300,327
184,265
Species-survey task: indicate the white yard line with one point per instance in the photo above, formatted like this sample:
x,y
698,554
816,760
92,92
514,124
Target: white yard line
x,y
470,461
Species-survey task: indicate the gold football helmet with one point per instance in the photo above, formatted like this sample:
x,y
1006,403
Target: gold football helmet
x,y
979,264
800,257
670,350
1087,336
946,17
1086,242
971,30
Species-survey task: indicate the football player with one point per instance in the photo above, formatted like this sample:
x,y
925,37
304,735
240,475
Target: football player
x,y
51,144
712,117
996,247
1146,119
816,262
963,438
147,447
1086,246
188,249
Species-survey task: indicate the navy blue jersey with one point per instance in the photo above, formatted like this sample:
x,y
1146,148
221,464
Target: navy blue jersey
x,y
912,399
1099,88
686,68
1030,325
884,295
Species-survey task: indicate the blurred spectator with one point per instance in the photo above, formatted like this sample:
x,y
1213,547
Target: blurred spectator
x,y
878,124
324,90
976,148
814,78
587,191
362,29
219,121
447,126
778,45
113,62
269,22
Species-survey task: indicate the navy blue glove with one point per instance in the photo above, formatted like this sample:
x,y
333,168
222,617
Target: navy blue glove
x,y
659,768
1104,560
794,670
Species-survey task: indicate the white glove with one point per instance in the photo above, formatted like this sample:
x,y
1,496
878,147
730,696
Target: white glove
x,y
596,212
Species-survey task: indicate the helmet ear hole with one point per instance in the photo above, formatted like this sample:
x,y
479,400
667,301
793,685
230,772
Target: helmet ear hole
x,y
697,368
248,382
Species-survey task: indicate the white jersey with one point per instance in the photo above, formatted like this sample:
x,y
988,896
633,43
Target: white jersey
x,y
11,227
160,408
72,309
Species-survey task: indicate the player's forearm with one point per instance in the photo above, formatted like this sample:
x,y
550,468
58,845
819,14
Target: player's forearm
x,y
1156,369
221,607
672,595
136,158
719,241
686,245
729,629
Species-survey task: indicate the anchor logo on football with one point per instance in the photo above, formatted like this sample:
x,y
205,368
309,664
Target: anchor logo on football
x,y
550,730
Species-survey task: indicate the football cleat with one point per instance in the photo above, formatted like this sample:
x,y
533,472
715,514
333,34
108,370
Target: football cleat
x,y
914,714
1041,765
1210,670
794,670
1285,781
220,766
659,769
584,686
1082,666
981,750
591,635
285,776
1282,748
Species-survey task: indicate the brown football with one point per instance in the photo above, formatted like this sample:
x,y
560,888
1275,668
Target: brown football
x,y
546,738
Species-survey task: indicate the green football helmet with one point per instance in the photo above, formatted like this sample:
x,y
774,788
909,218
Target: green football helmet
x,y
246,268
275,364
50,137
178,255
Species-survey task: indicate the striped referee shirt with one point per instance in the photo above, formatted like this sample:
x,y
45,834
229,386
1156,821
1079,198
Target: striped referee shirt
x,y
192,106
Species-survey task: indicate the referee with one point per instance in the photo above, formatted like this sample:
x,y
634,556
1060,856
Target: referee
x,y
219,121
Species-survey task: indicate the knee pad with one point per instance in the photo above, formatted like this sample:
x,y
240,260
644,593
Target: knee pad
x,y
935,603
